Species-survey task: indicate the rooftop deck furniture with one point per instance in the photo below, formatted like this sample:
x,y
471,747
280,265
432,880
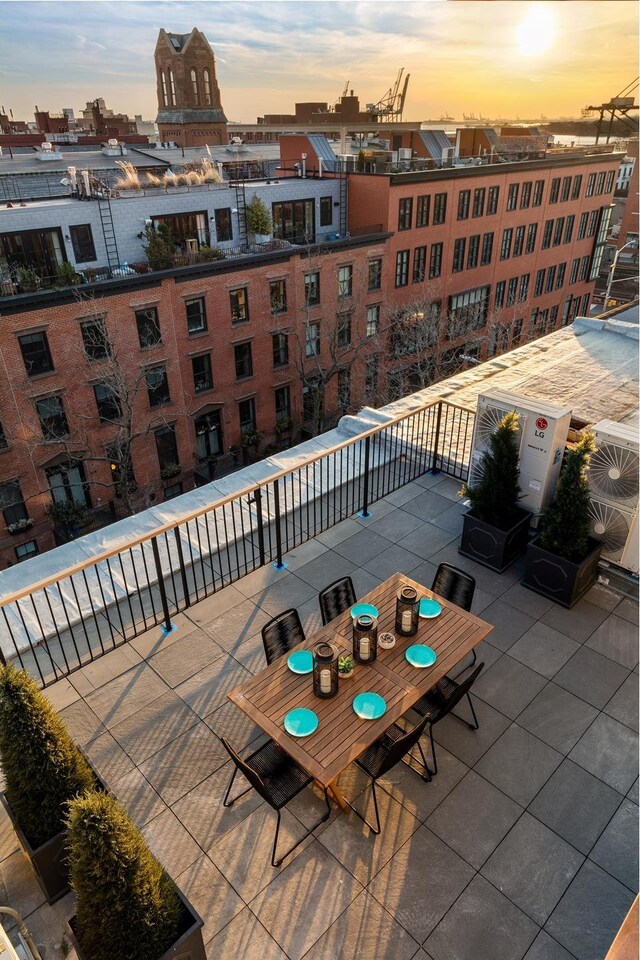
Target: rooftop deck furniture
x,y
458,586
282,634
336,598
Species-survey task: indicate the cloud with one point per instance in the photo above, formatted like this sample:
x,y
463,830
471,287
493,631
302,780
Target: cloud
x,y
85,42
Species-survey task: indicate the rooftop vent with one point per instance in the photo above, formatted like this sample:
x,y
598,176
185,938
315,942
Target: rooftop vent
x,y
46,152
113,149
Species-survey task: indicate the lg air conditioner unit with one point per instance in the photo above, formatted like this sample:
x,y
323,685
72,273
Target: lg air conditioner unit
x,y
613,484
541,436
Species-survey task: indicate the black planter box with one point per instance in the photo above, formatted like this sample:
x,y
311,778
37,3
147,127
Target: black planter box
x,y
188,946
558,579
492,546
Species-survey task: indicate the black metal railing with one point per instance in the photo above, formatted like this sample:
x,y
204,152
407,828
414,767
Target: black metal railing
x,y
55,626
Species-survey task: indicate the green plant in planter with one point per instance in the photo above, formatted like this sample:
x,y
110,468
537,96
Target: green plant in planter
x,y
126,905
495,497
28,279
345,665
159,247
206,254
66,275
67,513
250,438
43,769
566,523
170,470
284,426
258,216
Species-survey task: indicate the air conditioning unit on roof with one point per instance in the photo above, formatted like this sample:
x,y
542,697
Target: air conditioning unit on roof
x,y
613,484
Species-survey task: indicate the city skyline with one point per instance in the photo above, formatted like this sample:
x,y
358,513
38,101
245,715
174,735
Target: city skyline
x,y
499,58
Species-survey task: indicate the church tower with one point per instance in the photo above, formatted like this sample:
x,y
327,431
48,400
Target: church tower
x,y
189,107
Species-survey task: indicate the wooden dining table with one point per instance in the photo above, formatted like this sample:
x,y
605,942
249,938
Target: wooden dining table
x,y
342,736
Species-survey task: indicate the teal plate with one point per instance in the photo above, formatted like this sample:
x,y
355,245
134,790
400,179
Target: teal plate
x,y
429,608
364,608
420,655
300,722
369,706
300,662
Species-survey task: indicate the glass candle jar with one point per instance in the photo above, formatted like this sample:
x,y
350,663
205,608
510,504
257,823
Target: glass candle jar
x,y
407,612
365,639
325,669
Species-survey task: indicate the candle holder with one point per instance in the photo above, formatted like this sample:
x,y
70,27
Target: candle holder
x,y
365,638
407,605
325,670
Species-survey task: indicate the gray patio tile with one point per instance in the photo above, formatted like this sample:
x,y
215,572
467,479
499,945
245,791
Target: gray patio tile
x,y
418,796
481,601
603,596
8,840
576,805
421,882
363,581
623,705
207,690
362,546
508,623
249,653
107,666
211,896
451,519
185,762
424,573
395,525
202,813
310,618
609,750
230,722
427,506
392,560
306,917
449,554
617,849
527,601
151,728
518,763
469,745
184,657
244,939
170,843
447,487
508,686
377,510
141,800
427,540
590,914
428,479
236,624
154,640
365,931
544,649
356,847
346,528
533,867
61,694
617,639
632,793
214,606
318,573
47,925
628,610
126,694
545,947
557,717
18,884
579,622
482,925
474,818
108,758
81,722
303,554
495,584
591,677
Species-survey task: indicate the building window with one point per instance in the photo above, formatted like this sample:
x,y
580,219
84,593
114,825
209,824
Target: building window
x,y
577,187
575,266
593,223
172,87
537,292
326,211
568,230
282,398
208,430
554,316
525,196
402,268
173,490
523,292
312,402
247,415
458,254
557,234
419,264
371,377
582,229
405,213
439,208
239,303
478,201
11,502
600,182
562,269
538,192
512,196
294,220
36,353
166,447
435,261
312,340
196,315
505,249
26,550
165,96
566,188
3,439
518,241
517,332
278,296
555,190
546,236
201,367
224,230
492,200
468,311
344,389
52,418
343,329
584,268
591,183
243,360
472,254
194,88
207,87
512,291
551,279
68,484
532,231
312,288
373,320
345,281
95,340
280,345
487,249
148,327
375,274
422,211
84,250
609,184
464,199
107,402
158,386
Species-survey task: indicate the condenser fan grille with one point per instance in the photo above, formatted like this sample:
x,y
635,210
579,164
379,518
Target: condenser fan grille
x,y
488,421
475,472
610,526
613,472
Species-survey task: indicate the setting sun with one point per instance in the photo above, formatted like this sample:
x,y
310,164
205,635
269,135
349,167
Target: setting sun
x,y
536,32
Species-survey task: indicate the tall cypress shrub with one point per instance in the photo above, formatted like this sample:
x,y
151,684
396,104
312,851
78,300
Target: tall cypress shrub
x,y
566,522
495,497
126,905
43,768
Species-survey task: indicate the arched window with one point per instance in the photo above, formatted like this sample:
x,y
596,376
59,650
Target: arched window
x,y
163,80
194,84
172,84
207,87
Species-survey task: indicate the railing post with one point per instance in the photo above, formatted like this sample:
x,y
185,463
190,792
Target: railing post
x,y
365,512
257,499
167,626
436,442
279,564
183,572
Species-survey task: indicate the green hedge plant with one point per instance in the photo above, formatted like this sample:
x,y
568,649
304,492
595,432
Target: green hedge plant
x,y
126,905
566,522
43,769
495,497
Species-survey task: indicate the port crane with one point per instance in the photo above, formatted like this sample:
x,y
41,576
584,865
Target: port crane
x,y
389,108
619,106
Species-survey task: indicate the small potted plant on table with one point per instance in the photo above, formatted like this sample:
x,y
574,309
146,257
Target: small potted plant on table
x,y
345,666
562,562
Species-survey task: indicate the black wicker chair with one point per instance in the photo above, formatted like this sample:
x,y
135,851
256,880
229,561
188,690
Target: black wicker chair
x,y
385,753
278,779
282,634
336,598
459,587
440,701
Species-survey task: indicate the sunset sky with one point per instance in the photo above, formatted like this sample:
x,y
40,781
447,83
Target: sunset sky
x,y
495,57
